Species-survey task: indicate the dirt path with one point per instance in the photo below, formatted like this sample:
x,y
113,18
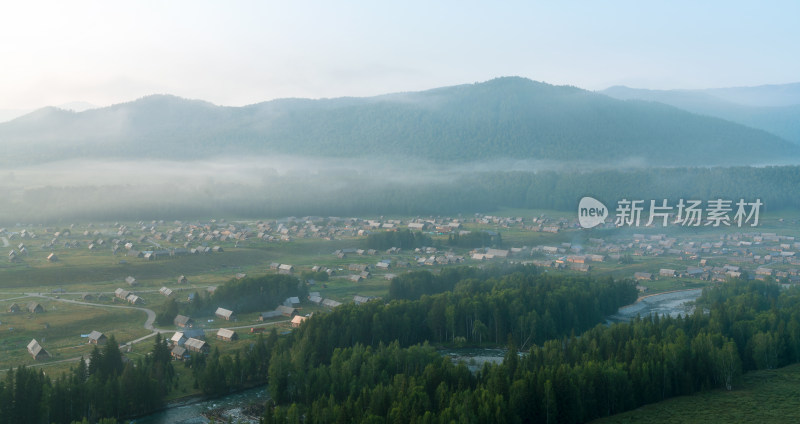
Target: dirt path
x,y
148,324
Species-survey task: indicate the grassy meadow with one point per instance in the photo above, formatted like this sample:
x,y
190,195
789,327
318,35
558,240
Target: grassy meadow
x,y
80,270
767,396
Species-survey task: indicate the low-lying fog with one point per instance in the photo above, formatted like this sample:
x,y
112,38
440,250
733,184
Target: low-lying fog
x,y
276,186
243,187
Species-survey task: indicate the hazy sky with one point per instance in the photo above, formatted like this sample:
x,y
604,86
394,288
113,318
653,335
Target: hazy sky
x,y
242,52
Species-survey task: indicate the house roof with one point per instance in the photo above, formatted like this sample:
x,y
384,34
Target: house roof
x,y
330,303
298,319
194,334
195,343
177,336
95,335
122,293
286,310
270,314
178,351
182,319
224,312
224,332
35,348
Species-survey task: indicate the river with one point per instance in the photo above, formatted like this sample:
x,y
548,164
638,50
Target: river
x,y
473,357
672,304
192,412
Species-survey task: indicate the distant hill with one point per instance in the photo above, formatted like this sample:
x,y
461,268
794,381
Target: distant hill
x,y
501,118
772,108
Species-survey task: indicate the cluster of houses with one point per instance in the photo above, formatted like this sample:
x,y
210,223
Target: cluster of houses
x,y
282,268
567,256
15,254
756,255
289,309
437,258
490,253
337,228
32,307
121,239
189,339
159,240
186,341
128,296
315,298
37,352
344,253
186,322
542,223
722,273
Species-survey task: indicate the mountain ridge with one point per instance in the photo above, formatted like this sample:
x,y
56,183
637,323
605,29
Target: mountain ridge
x,y
756,107
503,117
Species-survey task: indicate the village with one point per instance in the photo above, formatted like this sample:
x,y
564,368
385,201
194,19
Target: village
x,y
141,265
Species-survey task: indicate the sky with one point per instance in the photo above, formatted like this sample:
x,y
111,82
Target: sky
x,y
236,53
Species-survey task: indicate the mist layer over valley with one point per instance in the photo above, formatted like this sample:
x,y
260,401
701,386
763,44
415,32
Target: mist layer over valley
x,y
508,142
275,186
250,186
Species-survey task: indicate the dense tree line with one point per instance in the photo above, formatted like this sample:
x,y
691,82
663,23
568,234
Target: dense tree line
x,y
603,371
250,294
412,285
217,374
107,387
524,304
404,239
167,313
375,363
316,276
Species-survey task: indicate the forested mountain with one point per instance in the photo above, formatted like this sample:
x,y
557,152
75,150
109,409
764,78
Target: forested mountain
x,y
504,117
775,109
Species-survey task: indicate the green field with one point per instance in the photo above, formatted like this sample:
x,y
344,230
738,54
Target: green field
x,y
768,396
80,270
60,327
